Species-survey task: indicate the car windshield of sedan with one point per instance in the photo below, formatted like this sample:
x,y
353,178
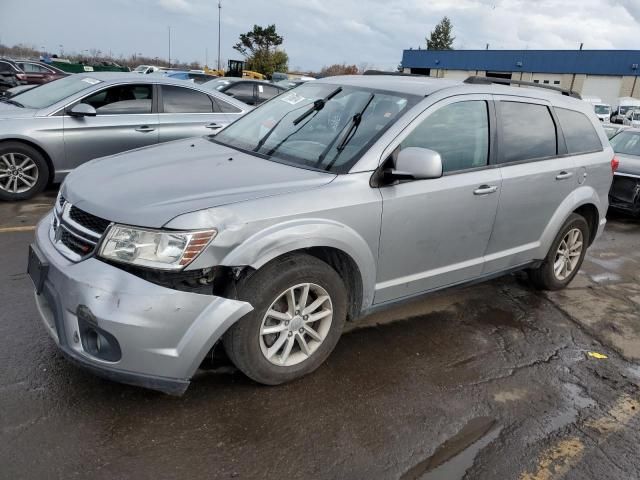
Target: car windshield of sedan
x,y
626,143
602,109
46,95
317,125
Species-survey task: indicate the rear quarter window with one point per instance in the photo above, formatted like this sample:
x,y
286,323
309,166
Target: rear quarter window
x,y
579,134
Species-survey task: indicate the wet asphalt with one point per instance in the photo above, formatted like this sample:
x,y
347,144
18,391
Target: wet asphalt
x,y
493,381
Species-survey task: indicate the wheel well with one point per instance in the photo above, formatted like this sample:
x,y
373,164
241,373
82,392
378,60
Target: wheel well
x,y
40,150
226,278
348,271
590,214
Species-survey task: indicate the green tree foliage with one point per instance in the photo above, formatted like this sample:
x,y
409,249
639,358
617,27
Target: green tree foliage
x,y
440,38
260,49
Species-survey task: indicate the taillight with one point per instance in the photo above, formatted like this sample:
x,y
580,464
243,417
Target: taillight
x,y
615,163
21,76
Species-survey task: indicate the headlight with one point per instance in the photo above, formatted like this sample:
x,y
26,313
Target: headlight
x,y
161,249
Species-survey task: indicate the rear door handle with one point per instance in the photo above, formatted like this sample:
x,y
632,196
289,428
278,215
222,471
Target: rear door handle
x,y
213,126
485,190
144,129
564,175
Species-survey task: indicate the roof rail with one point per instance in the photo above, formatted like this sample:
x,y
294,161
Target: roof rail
x,y
507,81
395,74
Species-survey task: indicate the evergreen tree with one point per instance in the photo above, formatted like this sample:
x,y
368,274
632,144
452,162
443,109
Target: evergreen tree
x,y
440,38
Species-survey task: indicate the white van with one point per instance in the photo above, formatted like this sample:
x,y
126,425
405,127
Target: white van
x,y
603,110
624,105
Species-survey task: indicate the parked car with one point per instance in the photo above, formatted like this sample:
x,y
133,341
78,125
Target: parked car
x,y
612,129
37,73
625,189
145,69
266,238
10,75
251,92
48,131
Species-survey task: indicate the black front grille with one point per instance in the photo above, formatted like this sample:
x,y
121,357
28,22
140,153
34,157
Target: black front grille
x,y
88,221
75,244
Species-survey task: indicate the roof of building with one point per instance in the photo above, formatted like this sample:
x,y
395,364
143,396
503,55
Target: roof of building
x,y
594,62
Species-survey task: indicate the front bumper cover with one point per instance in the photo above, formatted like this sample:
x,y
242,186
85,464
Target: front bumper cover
x,y
164,334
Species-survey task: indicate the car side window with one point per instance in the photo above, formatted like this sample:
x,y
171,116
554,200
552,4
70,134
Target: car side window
x,y
241,91
122,99
528,131
220,106
5,67
459,132
578,131
185,100
265,92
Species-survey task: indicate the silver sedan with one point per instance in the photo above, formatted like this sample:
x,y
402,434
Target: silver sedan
x,y
48,131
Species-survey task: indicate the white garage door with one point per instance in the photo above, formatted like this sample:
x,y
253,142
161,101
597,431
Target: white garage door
x,y
606,88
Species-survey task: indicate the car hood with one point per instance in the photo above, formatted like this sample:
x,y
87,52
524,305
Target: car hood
x,y
150,186
8,111
629,164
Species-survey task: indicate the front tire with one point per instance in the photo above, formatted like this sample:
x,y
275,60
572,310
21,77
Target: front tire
x,y
23,171
565,256
299,312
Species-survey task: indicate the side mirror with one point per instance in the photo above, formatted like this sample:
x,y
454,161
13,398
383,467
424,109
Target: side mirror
x,y
415,163
82,110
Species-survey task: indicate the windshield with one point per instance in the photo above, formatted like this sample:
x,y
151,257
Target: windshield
x,y
317,125
52,92
626,143
623,110
141,68
217,84
602,109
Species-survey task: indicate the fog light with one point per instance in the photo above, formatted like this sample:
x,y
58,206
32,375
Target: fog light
x,y
96,341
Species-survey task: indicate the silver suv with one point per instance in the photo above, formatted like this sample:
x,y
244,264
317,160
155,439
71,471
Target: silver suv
x,y
331,200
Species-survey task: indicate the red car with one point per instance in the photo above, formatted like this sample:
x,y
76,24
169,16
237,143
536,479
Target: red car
x,y
39,72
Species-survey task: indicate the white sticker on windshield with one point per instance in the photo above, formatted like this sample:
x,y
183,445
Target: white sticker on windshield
x,y
260,88
91,81
293,98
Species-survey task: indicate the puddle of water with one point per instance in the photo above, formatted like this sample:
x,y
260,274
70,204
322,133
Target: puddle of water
x,y
455,456
576,401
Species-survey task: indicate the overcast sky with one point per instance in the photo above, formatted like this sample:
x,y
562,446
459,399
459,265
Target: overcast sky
x,y
317,32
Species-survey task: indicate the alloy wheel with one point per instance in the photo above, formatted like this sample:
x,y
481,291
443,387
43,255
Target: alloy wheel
x,y
18,173
568,254
296,324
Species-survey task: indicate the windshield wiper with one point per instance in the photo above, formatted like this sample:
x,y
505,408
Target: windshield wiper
x,y
348,135
264,139
13,102
317,105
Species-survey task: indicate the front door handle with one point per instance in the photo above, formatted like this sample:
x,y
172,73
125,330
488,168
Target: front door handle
x,y
485,190
145,129
564,175
213,126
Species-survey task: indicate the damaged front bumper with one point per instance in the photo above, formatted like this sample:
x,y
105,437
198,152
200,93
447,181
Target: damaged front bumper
x,y
124,328
625,193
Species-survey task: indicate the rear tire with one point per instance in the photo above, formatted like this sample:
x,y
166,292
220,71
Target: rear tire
x,y
565,256
23,171
289,333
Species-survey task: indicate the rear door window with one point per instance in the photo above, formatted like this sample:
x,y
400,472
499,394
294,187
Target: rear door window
x,y
220,106
185,100
528,132
242,91
578,131
459,132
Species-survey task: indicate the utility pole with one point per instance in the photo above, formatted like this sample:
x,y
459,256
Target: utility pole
x,y
169,46
219,13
